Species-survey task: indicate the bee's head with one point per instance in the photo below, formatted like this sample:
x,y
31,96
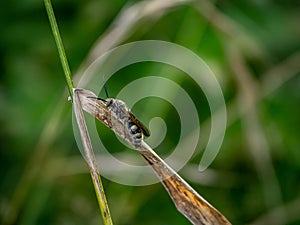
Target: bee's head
x,y
109,102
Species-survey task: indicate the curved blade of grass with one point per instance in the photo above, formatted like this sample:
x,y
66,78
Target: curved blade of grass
x,y
188,202
90,158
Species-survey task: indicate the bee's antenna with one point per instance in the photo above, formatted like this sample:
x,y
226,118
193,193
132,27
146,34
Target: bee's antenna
x,y
105,89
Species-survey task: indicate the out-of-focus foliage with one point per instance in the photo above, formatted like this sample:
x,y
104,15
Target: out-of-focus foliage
x,y
252,46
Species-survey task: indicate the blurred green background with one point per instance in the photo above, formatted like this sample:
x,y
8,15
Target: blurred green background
x,y
253,47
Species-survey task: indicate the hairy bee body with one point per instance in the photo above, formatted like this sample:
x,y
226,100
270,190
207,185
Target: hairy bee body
x,y
125,123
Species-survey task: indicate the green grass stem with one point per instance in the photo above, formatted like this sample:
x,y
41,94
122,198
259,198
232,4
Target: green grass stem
x,y
102,202
60,47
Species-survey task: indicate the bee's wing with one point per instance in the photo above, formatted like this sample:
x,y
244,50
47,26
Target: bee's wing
x,y
146,132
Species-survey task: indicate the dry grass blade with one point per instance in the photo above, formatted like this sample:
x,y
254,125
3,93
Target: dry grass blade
x,y
186,199
90,158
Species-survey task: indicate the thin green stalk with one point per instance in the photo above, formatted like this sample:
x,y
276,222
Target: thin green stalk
x,y
102,202
60,47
